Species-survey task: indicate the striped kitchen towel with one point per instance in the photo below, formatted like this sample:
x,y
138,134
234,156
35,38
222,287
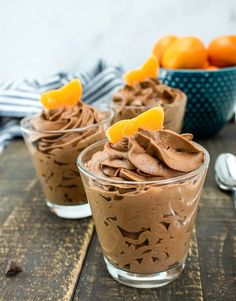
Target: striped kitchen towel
x,y
21,98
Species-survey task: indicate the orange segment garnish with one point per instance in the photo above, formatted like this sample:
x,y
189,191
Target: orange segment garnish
x,y
148,69
119,130
68,95
151,119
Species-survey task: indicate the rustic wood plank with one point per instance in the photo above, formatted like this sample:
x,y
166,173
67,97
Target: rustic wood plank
x,y
216,228
16,177
209,274
50,250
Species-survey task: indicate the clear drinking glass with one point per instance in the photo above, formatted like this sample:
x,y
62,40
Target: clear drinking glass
x,y
144,228
174,112
54,155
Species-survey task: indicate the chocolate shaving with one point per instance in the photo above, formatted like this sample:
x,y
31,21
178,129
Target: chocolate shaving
x,y
12,269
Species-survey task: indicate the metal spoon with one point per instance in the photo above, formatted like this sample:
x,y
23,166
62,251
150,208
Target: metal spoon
x,y
225,168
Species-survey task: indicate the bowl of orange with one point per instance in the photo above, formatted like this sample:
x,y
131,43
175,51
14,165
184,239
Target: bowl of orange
x,y
206,74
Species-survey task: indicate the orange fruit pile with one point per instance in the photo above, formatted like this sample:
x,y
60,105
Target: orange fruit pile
x,y
151,119
190,53
68,95
148,69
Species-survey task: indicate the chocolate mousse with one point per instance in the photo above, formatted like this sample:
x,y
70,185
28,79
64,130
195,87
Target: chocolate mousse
x,y
146,226
58,137
130,101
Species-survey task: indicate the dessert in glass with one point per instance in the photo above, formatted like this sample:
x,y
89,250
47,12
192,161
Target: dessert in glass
x,y
55,137
143,185
137,97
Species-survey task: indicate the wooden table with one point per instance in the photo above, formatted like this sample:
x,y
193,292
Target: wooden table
x,y
62,260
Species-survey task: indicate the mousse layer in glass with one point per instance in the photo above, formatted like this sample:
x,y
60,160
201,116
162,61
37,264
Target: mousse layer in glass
x,y
55,138
144,193
130,101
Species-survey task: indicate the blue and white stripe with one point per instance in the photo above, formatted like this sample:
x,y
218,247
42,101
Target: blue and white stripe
x,y
21,98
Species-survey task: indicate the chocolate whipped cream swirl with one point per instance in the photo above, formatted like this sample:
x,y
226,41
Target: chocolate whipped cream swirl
x,y
65,118
148,155
146,93
56,152
131,101
145,228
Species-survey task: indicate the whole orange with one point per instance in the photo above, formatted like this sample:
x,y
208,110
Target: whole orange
x,y
206,65
185,53
222,51
211,67
161,45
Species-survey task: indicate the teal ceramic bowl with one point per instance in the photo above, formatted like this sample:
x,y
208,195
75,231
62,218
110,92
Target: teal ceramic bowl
x,y
211,97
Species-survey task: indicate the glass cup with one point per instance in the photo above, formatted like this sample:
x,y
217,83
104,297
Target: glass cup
x,y
144,228
174,112
54,155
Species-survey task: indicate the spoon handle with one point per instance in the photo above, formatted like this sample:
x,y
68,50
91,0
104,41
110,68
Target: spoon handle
x,y
234,197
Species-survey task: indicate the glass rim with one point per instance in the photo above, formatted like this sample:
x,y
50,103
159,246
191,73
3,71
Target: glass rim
x,y
117,105
26,129
183,177
201,71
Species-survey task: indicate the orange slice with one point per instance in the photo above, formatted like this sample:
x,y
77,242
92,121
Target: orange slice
x,y
148,69
151,119
68,95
